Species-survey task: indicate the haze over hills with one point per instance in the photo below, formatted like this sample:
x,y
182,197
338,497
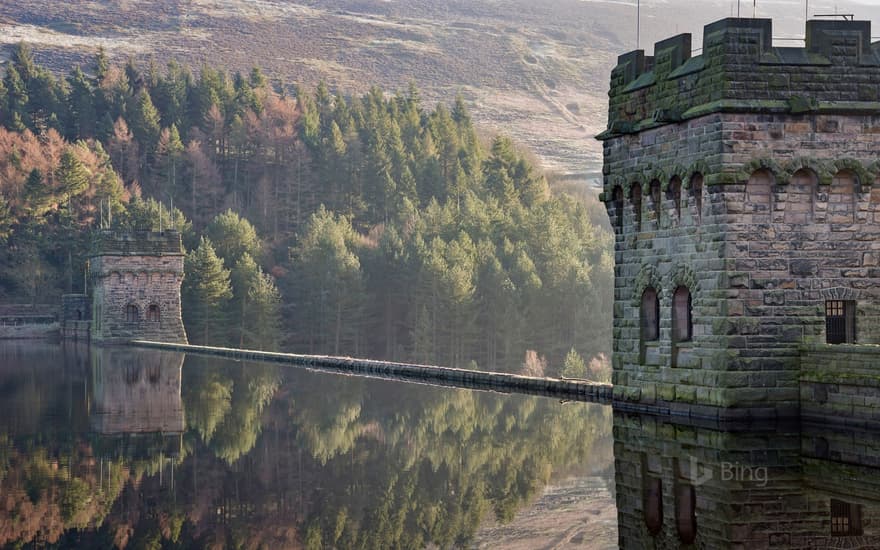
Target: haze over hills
x,y
535,70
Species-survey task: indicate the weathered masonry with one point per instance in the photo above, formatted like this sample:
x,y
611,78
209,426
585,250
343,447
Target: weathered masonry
x,y
135,287
743,188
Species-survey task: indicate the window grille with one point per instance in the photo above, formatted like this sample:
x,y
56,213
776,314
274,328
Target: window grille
x,y
846,518
840,322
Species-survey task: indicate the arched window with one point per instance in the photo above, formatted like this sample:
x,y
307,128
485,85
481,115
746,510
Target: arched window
x,y
153,313
635,197
674,194
617,197
131,313
682,320
650,315
656,200
686,513
697,192
653,504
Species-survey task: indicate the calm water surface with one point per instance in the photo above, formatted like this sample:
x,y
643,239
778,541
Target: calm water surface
x,y
127,448
107,448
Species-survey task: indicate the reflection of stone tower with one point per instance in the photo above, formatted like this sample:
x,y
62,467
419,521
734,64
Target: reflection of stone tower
x,y
136,287
136,391
692,487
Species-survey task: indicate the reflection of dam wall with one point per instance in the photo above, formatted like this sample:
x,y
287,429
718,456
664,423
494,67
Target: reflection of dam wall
x,y
784,487
136,391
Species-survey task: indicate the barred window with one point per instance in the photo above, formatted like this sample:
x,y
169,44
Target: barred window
x,y
650,315
846,518
840,321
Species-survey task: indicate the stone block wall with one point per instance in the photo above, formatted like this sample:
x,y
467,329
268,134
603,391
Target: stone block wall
x,y
142,272
841,384
778,211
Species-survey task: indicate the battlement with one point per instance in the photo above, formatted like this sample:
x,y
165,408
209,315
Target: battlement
x,y
740,70
137,243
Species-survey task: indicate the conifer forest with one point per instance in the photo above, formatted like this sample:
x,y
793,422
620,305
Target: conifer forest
x,y
314,222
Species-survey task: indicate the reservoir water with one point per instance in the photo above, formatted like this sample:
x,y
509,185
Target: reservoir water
x,y
118,447
128,448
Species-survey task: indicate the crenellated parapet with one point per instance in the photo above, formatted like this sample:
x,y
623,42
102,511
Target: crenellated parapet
x,y
127,243
740,70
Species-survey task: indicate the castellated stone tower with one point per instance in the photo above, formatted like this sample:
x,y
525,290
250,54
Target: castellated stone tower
x,y
743,188
136,281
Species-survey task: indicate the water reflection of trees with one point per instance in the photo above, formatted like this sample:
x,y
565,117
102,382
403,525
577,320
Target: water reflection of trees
x,y
287,459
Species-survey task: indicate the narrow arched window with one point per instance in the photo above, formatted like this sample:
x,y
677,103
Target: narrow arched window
x,y
697,192
617,197
674,194
682,317
131,313
686,513
153,313
650,315
656,200
653,504
635,197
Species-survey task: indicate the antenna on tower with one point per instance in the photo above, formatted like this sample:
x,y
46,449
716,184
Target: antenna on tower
x,y
638,23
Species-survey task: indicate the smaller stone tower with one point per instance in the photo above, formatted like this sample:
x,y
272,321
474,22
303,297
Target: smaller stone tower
x,y
136,287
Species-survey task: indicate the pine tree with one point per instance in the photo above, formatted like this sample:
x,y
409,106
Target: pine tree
x,y
574,366
205,291
144,121
81,106
233,236
169,152
255,306
72,176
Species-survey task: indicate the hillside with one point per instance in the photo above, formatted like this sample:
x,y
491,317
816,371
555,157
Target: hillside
x,y
537,71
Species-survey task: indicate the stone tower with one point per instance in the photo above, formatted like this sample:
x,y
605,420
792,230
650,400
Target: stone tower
x,y
742,186
136,281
